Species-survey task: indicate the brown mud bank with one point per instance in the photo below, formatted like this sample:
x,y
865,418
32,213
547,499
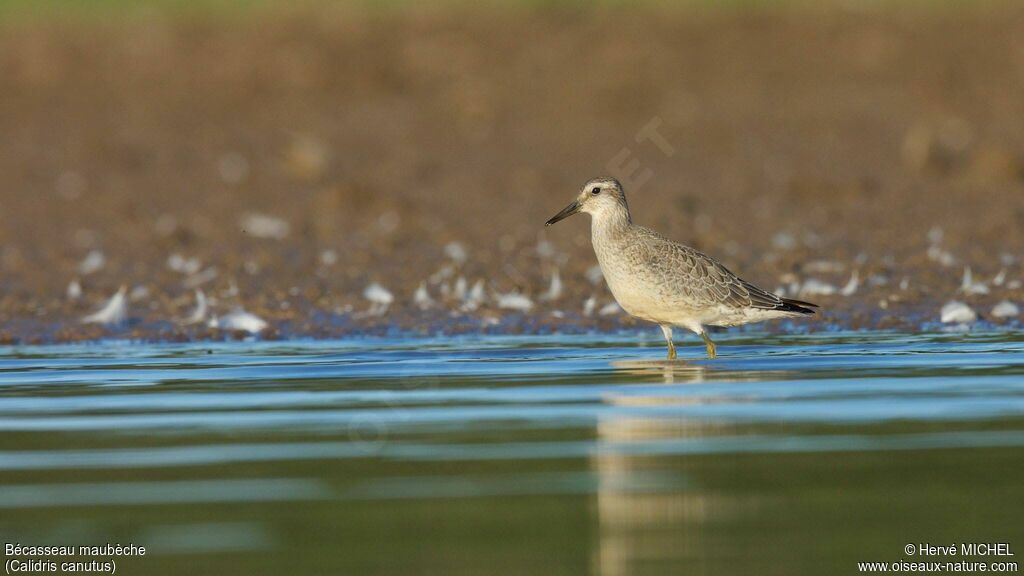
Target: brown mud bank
x,y
317,168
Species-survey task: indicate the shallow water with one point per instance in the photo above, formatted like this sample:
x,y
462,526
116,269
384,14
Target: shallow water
x,y
513,455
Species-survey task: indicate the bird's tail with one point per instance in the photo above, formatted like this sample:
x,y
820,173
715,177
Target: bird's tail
x,y
797,306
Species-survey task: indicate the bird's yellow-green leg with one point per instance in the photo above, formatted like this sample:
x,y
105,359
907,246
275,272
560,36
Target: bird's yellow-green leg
x,y
667,330
712,350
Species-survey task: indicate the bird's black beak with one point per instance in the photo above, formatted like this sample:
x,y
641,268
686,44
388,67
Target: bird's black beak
x,y
565,213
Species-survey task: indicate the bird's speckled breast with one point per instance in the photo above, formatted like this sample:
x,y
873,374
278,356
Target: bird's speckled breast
x,y
637,287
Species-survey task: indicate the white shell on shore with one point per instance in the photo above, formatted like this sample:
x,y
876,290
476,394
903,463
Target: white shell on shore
x,y
456,252
554,291
199,314
264,226
589,305
115,311
421,298
139,292
201,278
955,312
937,254
1005,309
609,309
969,286
243,321
94,261
380,298
514,301
1000,278
460,288
594,275
378,294
329,257
851,286
475,297
74,291
183,265
815,287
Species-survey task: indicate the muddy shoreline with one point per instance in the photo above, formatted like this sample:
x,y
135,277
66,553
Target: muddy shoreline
x,y
286,163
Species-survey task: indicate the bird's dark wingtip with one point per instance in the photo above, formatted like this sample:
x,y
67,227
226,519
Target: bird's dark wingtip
x,y
798,306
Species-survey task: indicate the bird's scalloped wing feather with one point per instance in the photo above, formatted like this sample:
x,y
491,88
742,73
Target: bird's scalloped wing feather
x,y
708,281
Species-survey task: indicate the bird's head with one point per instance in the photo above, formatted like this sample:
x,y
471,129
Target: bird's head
x,y
600,197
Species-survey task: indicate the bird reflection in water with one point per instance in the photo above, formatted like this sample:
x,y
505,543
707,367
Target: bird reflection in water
x,y
641,531
670,371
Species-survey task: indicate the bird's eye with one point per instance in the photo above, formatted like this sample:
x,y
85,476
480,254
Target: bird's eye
x,y
595,190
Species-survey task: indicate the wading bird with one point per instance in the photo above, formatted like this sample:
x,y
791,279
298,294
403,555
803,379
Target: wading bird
x,y
661,281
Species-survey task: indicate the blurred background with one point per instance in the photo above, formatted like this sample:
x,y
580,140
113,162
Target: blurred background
x,y
199,170
285,156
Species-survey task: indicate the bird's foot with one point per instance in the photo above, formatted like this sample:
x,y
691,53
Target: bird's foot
x,y
667,331
711,348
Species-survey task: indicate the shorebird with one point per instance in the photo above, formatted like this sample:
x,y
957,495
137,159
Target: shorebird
x,y
661,281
